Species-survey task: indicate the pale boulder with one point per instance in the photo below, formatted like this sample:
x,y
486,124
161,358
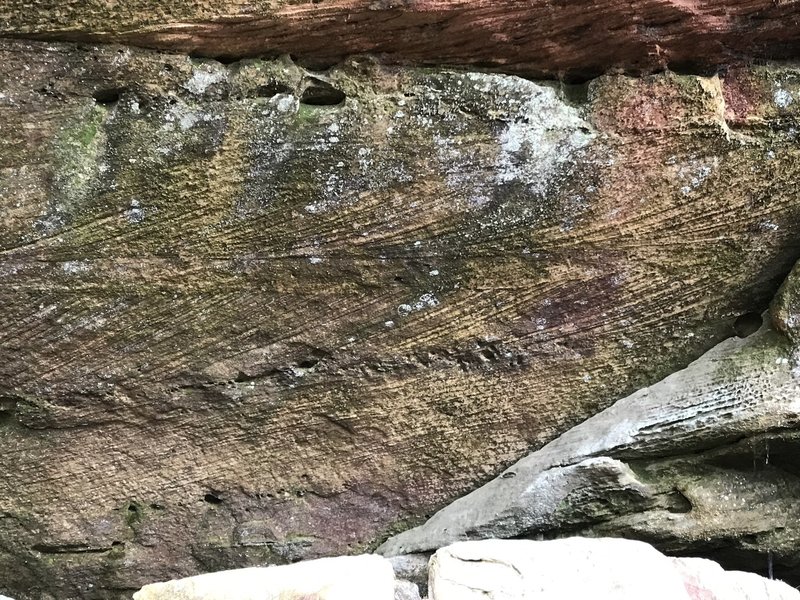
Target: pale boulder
x,y
366,577
705,579
604,568
754,587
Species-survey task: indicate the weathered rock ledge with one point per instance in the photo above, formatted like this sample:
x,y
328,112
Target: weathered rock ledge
x,y
541,38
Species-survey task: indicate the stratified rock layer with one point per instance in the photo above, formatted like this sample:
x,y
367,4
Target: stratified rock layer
x,y
253,314
535,37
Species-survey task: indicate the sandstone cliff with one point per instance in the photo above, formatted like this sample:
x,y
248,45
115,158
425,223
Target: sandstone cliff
x,y
255,311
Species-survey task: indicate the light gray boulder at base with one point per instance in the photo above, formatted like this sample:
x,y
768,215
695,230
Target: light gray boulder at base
x,y
601,569
365,577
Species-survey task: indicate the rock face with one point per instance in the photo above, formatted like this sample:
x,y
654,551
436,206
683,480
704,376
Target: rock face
x,y
704,461
604,569
366,577
412,568
406,590
253,314
536,37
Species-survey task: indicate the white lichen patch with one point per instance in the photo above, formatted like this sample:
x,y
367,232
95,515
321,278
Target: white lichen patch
x,y
543,134
782,97
285,103
695,172
184,117
189,120
499,134
75,267
427,300
204,76
768,225
51,223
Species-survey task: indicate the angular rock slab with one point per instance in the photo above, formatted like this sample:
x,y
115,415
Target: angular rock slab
x,y
731,401
602,569
253,314
366,577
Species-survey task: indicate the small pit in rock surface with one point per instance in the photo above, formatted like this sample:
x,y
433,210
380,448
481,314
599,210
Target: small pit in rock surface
x,y
747,324
212,499
269,90
107,97
321,93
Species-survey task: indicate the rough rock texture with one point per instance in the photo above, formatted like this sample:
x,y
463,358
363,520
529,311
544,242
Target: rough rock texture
x,y
366,577
705,461
412,568
534,37
602,569
253,314
406,590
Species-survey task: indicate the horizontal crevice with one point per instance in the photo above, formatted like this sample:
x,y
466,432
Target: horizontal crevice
x,y
69,549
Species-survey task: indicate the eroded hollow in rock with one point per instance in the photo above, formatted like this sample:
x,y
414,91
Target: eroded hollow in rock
x,y
321,93
212,498
268,90
107,96
747,324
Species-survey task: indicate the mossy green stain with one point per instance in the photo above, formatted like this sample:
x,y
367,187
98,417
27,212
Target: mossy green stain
x,y
75,152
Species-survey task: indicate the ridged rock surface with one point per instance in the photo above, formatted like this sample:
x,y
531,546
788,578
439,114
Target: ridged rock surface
x,y
703,462
533,37
253,314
